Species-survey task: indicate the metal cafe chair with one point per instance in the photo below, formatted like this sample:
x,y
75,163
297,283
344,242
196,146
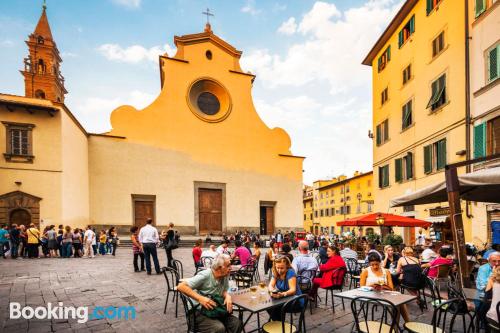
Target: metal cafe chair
x,y
306,285
287,310
373,315
244,276
172,279
178,267
439,322
353,272
337,284
190,312
206,262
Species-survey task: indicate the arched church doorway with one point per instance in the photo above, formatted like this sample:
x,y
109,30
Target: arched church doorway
x,y
20,216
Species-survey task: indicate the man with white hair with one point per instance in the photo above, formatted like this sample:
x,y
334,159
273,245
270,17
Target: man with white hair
x,y
210,252
485,272
205,288
303,261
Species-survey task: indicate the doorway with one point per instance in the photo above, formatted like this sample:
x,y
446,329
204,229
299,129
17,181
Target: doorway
x,y
20,217
210,210
144,207
267,218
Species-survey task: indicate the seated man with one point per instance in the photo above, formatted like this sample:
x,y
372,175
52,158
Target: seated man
x,y
485,272
348,253
223,247
210,252
303,261
209,282
429,253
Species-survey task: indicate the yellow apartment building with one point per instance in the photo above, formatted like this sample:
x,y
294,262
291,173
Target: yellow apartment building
x,y
484,17
419,106
336,200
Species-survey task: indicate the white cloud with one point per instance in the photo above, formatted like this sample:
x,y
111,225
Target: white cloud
x,y
6,43
134,53
128,3
94,112
249,8
288,27
68,55
332,48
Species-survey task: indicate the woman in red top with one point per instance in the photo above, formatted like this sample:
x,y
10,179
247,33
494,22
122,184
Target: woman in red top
x,y
334,262
197,250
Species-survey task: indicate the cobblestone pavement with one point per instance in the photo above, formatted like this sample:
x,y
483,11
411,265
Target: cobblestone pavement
x,y
111,281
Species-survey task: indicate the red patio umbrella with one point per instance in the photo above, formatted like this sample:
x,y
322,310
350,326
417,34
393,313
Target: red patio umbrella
x,y
387,220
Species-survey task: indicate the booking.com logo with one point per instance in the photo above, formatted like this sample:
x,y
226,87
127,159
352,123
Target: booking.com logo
x,y
80,313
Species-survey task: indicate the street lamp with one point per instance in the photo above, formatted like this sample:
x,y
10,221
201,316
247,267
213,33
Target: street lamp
x,y
380,220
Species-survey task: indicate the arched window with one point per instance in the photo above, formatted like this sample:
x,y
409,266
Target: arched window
x,y
40,94
40,40
40,67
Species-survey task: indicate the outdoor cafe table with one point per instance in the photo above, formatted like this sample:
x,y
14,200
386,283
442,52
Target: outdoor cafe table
x,y
243,300
394,297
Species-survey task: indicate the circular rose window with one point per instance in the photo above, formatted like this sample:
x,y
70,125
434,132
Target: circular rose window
x,y
208,103
209,100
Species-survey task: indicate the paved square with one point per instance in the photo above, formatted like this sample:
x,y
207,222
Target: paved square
x,y
111,281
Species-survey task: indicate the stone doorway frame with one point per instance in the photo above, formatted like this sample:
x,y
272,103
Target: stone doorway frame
x,y
19,200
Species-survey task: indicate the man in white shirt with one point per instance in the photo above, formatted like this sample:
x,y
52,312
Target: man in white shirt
x,y
148,236
222,249
348,253
420,239
303,261
88,239
428,254
210,252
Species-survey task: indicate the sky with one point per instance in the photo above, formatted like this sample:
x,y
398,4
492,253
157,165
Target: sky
x,y
306,54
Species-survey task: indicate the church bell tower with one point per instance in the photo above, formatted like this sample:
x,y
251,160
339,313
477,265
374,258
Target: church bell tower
x,y
42,76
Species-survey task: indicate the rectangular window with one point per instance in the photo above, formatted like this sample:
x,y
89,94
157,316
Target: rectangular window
x,y
407,115
438,93
438,44
398,172
305,217
480,140
407,31
333,211
493,65
348,209
435,156
403,168
19,145
316,213
480,7
311,216
321,213
369,204
384,96
382,132
384,59
383,176
493,136
406,74
431,4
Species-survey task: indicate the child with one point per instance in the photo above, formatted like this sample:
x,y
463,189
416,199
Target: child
x,y
102,242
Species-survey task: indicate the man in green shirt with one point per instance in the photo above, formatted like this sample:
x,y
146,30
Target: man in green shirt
x,y
212,281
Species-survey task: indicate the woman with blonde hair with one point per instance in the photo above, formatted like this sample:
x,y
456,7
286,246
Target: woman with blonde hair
x,y
409,267
283,284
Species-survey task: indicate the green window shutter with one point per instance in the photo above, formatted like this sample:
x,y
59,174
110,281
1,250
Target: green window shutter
x,y
412,24
441,154
480,7
379,135
429,6
400,39
409,166
386,176
493,64
428,159
407,115
480,140
380,176
398,169
386,130
388,53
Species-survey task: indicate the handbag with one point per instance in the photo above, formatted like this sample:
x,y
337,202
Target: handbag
x,y
172,244
219,311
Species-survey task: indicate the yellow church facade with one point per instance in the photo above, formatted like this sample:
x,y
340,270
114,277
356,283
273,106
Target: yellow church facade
x,y
198,156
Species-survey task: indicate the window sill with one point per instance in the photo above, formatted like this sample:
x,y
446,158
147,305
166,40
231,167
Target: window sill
x,y
383,188
487,87
13,158
434,172
407,128
437,55
383,143
407,82
439,109
408,40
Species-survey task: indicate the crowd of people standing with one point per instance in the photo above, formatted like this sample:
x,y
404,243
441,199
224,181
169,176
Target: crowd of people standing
x,y
20,242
